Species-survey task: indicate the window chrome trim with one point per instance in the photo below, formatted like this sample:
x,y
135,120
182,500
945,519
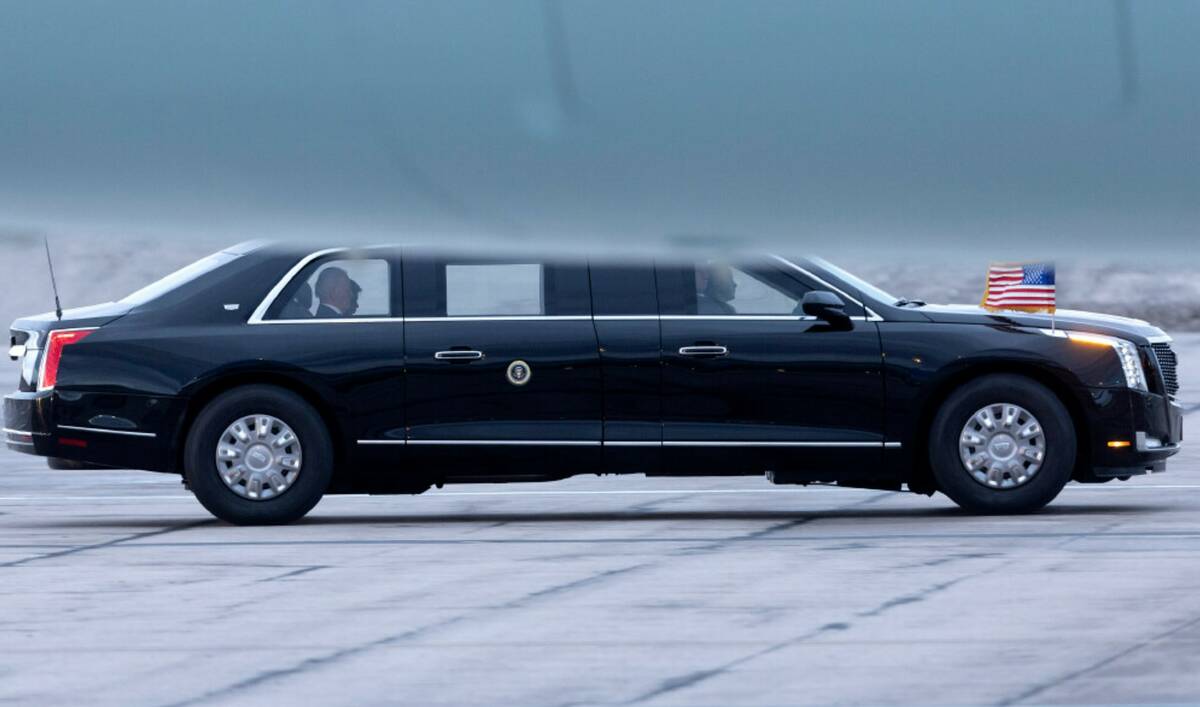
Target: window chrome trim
x,y
256,317
126,433
335,320
626,317
506,318
719,317
564,318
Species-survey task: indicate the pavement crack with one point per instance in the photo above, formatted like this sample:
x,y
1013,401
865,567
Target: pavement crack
x,y
1104,662
699,676
912,598
320,661
107,543
294,573
569,586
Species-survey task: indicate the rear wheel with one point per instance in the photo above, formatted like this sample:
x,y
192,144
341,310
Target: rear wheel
x,y
1002,444
258,455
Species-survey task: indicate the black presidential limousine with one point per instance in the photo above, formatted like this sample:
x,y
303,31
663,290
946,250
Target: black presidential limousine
x,y
268,377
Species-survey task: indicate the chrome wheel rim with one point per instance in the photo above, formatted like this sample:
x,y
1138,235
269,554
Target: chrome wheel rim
x,y
259,457
1002,446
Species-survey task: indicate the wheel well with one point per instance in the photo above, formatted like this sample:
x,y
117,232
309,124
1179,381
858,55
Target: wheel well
x,y
212,389
922,474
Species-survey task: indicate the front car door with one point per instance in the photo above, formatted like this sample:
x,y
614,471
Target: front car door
x,y
751,384
503,374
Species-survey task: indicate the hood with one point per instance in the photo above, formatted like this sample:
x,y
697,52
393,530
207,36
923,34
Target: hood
x,y
1124,327
95,315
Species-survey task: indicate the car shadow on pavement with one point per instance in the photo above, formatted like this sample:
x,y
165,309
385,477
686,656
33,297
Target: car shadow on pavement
x,y
635,516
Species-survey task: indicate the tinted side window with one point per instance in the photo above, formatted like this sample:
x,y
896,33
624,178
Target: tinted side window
x,y
479,289
723,288
473,287
338,287
623,289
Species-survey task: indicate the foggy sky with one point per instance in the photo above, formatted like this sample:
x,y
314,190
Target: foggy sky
x,y
997,127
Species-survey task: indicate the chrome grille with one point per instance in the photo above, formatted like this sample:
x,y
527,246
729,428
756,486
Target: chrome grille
x,y
1167,367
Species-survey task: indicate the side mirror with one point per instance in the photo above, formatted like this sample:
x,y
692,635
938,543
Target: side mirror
x,y
826,306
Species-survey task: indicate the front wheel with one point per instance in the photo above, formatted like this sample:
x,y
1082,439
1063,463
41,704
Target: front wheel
x,y
1002,444
258,455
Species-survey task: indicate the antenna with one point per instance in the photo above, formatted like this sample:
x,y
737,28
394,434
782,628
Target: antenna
x,y
53,284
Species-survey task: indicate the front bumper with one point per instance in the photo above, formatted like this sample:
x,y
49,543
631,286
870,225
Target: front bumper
x,y
1151,424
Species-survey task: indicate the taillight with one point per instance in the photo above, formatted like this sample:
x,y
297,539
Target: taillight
x,y
53,354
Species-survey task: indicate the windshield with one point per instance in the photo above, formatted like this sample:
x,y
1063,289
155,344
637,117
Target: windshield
x,y
180,277
864,288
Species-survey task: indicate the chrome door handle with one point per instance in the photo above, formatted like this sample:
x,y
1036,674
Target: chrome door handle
x,y
458,355
703,351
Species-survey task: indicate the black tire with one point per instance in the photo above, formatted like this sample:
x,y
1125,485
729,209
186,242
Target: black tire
x,y
1057,464
316,469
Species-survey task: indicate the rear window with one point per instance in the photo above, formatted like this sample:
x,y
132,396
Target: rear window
x,y
179,278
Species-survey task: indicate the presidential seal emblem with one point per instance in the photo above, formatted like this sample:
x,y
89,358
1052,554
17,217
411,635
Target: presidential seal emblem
x,y
518,372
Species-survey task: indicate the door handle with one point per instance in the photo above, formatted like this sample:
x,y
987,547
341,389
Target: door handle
x,y
712,351
458,355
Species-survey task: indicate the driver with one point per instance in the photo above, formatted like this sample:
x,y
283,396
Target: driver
x,y
337,293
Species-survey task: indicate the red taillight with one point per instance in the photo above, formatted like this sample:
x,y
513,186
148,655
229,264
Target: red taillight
x,y
53,355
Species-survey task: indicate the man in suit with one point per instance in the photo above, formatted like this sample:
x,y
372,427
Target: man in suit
x,y
337,294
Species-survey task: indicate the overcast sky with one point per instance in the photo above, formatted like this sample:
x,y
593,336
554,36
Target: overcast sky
x,y
1006,127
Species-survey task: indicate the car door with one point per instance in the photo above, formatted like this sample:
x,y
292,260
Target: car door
x,y
335,326
751,384
625,305
503,373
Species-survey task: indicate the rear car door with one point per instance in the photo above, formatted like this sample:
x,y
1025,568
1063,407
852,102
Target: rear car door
x,y
751,384
501,354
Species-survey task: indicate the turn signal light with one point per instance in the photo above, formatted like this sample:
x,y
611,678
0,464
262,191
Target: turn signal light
x,y
1119,443
58,340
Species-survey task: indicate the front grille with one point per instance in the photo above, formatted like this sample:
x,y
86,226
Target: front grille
x,y
1167,366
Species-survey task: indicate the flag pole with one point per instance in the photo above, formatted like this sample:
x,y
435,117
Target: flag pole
x,y
1053,312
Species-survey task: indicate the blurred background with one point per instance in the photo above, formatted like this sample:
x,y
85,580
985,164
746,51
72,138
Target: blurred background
x,y
911,141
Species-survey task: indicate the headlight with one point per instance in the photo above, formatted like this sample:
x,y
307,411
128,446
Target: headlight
x,y
1127,353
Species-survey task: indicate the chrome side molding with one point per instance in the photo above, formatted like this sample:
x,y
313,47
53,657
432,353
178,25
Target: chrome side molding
x,y
126,433
629,443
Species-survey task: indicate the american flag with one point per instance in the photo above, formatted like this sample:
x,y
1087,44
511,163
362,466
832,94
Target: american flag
x,y
1028,287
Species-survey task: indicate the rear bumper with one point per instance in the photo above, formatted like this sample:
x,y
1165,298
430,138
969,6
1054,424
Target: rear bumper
x,y
1151,424
26,426
109,430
